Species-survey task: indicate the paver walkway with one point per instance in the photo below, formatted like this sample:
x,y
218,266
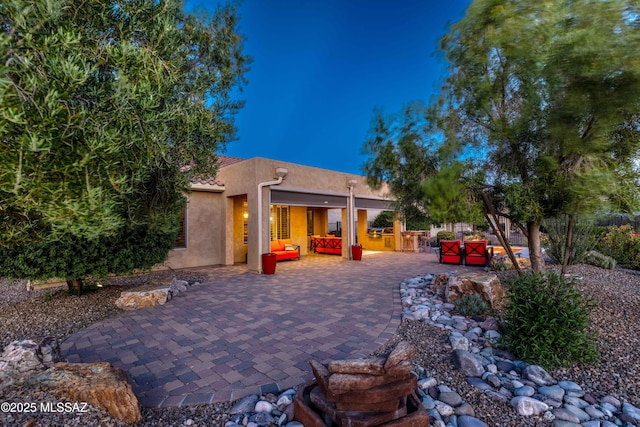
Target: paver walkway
x,y
241,333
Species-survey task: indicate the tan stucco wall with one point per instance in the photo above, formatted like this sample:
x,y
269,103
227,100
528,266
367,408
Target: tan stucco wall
x,y
244,175
320,221
346,249
214,220
362,228
298,224
205,232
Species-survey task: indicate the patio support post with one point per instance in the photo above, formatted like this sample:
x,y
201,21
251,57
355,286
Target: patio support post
x,y
351,240
280,173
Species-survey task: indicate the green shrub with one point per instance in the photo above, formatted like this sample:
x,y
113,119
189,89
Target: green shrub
x,y
445,235
583,241
600,260
471,305
383,220
499,264
547,321
132,248
622,244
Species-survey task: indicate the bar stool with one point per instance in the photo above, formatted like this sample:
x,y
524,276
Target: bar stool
x,y
424,243
407,241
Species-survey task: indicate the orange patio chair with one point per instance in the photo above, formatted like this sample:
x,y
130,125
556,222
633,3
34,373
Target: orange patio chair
x,y
450,252
477,253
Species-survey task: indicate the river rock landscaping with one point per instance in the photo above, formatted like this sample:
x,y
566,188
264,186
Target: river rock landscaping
x,y
463,378
498,375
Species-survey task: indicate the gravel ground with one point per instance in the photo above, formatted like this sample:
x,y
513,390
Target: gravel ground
x,y
40,313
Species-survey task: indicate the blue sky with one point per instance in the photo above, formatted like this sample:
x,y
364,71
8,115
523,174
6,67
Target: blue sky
x,y
320,67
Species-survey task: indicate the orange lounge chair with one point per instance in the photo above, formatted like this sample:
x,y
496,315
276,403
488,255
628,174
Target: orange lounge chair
x,y
450,252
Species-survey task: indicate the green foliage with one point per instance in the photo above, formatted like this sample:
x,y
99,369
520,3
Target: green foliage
x,y
521,201
471,305
451,197
402,153
543,97
547,321
499,264
419,224
584,239
107,110
600,260
445,235
134,248
383,219
623,245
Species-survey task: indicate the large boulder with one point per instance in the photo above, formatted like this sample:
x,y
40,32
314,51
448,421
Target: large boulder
x,y
439,284
177,286
100,384
21,359
151,294
143,298
487,285
524,263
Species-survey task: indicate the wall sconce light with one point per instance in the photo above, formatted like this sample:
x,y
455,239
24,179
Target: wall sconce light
x,y
245,215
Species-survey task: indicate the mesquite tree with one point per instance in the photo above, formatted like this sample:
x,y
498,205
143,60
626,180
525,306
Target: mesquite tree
x,y
401,153
544,95
107,110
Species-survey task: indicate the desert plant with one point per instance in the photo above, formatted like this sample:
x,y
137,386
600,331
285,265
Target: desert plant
x,y
600,260
471,305
445,235
498,264
547,321
622,244
584,239
475,235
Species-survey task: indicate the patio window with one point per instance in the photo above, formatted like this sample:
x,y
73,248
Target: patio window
x,y
310,224
245,222
280,223
181,239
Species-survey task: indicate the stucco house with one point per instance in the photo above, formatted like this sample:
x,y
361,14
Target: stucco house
x,y
233,218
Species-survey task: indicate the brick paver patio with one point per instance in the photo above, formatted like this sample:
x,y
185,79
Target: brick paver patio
x,y
240,333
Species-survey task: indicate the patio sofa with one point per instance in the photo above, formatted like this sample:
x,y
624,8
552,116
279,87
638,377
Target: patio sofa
x,y
285,249
327,245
